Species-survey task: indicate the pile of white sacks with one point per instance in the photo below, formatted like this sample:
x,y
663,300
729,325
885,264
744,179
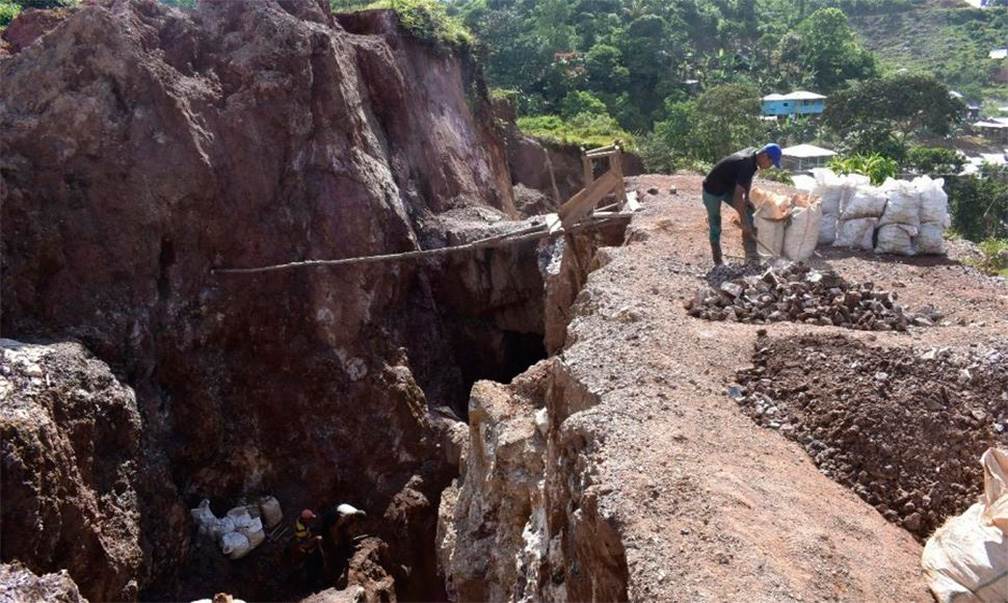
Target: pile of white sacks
x,y
242,529
900,217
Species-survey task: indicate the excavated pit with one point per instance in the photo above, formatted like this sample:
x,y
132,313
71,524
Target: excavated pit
x,y
240,134
903,428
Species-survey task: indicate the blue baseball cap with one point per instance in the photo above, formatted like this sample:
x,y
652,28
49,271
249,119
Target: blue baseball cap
x,y
773,151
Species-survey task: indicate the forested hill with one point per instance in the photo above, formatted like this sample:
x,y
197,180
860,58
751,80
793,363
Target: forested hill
x,y
950,39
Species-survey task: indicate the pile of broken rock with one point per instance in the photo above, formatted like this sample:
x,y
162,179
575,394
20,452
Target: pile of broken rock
x,y
794,292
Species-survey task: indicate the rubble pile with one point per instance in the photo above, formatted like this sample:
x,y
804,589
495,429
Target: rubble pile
x,y
794,292
901,427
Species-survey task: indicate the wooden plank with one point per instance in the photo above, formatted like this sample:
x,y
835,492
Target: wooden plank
x,y
587,170
616,165
601,151
581,204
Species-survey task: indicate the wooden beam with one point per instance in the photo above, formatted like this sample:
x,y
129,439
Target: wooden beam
x,y
582,204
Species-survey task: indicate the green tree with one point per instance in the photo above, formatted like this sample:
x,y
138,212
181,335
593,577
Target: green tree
x,y
830,50
904,103
605,70
725,120
934,160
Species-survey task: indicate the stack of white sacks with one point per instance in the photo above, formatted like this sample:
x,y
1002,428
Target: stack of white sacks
x,y
900,217
242,529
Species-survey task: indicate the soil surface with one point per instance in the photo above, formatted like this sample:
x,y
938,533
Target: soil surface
x,y
709,505
902,427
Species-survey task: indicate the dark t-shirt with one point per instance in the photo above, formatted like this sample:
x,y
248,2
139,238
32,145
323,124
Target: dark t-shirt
x,y
736,169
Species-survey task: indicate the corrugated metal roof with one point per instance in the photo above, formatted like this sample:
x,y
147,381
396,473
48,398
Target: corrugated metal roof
x,y
803,95
804,151
773,97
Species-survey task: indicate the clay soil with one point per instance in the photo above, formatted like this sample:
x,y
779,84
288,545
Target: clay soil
x,y
710,505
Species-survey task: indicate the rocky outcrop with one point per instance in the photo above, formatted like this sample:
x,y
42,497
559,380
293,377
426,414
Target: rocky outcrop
x,y
18,583
70,439
142,148
523,523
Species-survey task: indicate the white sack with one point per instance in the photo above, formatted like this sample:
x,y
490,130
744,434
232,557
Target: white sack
x,y
235,545
769,233
902,203
866,202
856,234
896,239
827,229
931,239
967,558
241,517
205,520
269,507
933,201
802,233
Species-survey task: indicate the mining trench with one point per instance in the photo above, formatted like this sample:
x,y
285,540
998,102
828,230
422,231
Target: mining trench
x,y
492,308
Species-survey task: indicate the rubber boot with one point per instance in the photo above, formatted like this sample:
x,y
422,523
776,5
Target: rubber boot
x,y
715,249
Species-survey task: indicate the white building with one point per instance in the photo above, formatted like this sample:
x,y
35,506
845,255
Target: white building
x,y
803,157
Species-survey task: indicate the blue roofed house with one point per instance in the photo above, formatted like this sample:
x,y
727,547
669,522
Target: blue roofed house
x,y
800,102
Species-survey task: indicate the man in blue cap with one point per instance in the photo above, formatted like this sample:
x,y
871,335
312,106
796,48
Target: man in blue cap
x,y
729,182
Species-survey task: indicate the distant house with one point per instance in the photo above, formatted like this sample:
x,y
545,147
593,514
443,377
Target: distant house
x,y
998,54
795,103
994,128
803,157
972,109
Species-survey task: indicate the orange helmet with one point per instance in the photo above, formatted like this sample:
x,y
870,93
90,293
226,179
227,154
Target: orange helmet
x,y
307,514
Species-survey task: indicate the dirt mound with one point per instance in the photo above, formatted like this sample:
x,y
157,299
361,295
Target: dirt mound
x,y
901,427
795,292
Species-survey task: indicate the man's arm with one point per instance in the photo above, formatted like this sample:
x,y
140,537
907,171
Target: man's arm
x,y
739,202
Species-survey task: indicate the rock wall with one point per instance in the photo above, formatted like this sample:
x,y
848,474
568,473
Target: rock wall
x,y
522,522
143,147
17,583
69,435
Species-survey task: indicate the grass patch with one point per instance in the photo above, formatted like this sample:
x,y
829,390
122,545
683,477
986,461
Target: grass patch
x,y
585,129
994,257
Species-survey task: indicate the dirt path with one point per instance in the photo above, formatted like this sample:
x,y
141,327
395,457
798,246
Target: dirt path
x,y
712,506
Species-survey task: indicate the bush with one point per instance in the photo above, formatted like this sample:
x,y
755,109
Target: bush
x,y
578,101
585,129
7,13
428,20
875,166
776,175
934,160
979,205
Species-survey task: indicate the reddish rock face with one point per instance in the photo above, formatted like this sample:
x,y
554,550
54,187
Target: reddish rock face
x,y
30,26
69,436
143,147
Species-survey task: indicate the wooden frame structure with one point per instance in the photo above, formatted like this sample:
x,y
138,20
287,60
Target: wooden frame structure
x,y
583,203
